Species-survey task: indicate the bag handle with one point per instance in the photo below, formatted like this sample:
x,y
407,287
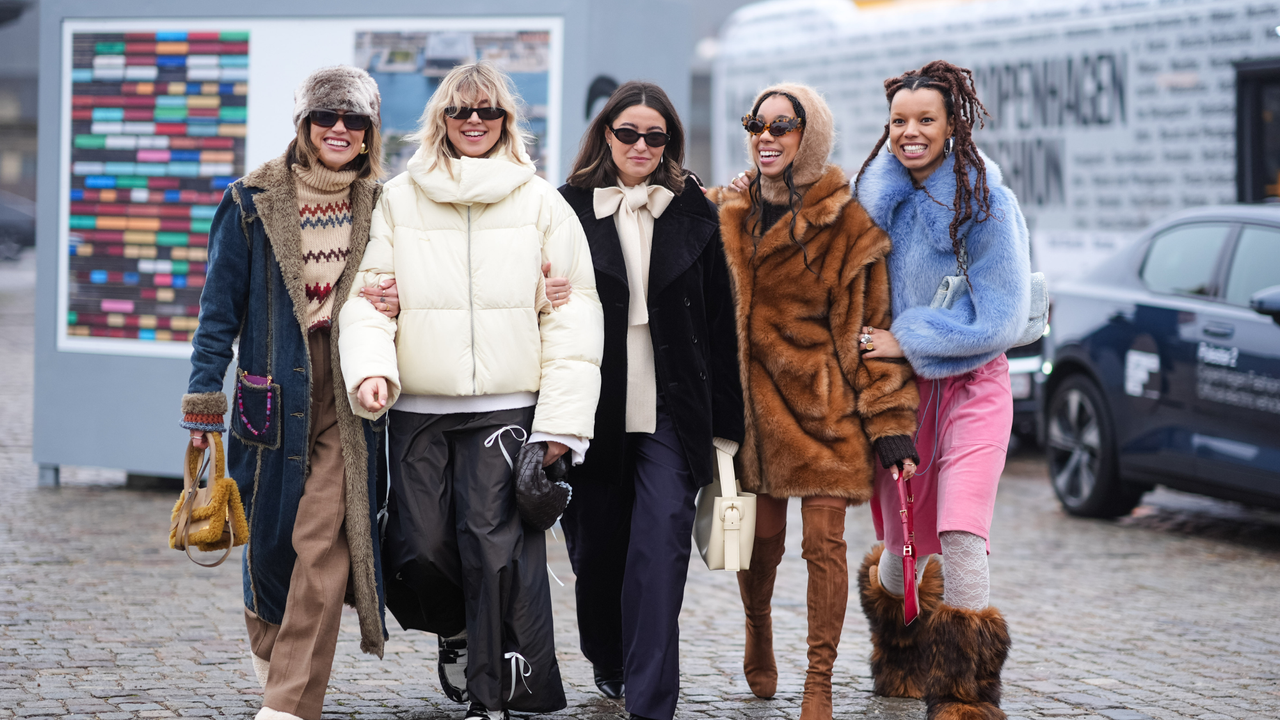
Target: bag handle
x,y
731,513
728,481
191,485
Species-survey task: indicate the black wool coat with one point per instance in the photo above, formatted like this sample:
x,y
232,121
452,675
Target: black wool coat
x,y
691,321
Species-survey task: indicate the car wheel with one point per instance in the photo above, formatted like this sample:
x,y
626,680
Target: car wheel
x,y
1081,444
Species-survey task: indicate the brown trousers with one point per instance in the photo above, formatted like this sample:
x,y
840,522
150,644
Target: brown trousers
x,y
301,648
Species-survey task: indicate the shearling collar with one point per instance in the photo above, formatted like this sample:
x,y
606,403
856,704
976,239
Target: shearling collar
x,y
822,206
468,181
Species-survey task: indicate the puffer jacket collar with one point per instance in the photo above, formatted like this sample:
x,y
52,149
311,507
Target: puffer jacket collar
x,y
470,181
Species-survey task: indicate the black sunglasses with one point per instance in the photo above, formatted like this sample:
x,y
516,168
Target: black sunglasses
x,y
777,128
627,136
485,113
329,118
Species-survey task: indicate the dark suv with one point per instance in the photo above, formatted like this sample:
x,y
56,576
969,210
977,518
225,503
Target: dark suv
x,y
1166,366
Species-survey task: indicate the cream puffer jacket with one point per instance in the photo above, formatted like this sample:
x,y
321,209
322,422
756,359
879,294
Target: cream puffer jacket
x,y
466,249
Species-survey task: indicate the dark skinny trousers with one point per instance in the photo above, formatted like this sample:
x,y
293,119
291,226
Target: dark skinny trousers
x,y
629,542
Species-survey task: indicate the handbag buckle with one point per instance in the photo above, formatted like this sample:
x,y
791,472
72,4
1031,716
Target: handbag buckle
x,y
907,551
734,521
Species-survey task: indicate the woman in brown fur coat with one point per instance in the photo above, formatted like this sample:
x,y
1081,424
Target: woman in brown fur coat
x,y
808,269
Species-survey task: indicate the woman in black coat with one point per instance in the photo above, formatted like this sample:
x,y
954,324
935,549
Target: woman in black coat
x,y
670,389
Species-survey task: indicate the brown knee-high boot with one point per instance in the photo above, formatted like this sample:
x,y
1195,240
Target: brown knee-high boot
x,y
823,548
967,650
899,652
756,587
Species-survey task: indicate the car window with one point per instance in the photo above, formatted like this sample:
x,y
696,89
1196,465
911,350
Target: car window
x,y
1256,264
1182,259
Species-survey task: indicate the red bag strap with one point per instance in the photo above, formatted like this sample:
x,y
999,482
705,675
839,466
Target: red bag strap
x,y
910,600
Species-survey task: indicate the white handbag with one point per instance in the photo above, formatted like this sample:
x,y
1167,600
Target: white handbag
x,y
953,287
724,528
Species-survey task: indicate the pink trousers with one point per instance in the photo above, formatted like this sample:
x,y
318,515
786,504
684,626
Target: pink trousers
x,y
963,436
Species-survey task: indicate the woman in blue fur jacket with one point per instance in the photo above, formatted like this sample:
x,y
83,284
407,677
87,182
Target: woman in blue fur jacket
x,y
948,213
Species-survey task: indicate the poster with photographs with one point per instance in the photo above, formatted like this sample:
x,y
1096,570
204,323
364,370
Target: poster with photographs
x,y
409,66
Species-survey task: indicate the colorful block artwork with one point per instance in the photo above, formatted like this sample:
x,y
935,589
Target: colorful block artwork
x,y
157,134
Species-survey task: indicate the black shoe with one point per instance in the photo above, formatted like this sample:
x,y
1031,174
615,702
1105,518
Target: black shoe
x,y
634,716
452,667
478,712
609,682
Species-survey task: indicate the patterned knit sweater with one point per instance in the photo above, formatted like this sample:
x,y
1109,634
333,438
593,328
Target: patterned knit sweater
x,y
324,213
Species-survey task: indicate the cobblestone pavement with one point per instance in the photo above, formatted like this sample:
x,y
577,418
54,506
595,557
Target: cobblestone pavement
x,y
1171,613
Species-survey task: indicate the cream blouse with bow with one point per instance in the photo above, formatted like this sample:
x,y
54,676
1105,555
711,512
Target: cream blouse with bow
x,y
634,209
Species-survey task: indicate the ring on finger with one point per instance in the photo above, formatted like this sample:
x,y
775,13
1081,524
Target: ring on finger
x,y
864,339
870,346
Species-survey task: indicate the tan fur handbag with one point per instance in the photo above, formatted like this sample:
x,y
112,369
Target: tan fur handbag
x,y
724,528
210,517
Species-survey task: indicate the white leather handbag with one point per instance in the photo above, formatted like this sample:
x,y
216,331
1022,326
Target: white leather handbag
x,y
724,528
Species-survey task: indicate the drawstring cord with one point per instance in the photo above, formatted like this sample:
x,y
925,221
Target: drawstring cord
x,y
934,389
494,438
523,438
519,667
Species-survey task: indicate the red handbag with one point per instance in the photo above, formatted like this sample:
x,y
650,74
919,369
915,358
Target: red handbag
x,y
910,595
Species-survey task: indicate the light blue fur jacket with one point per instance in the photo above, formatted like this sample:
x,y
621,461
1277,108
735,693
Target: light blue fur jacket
x,y
984,322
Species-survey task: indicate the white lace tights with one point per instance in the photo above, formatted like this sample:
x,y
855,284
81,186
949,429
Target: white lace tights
x,y
966,576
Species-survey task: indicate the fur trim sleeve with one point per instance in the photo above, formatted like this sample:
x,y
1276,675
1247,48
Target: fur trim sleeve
x,y
886,390
204,411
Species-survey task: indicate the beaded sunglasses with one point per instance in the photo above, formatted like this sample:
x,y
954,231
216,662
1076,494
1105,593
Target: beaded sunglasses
x,y
777,128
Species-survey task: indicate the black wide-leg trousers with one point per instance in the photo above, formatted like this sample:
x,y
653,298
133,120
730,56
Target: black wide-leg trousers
x,y
629,542
457,555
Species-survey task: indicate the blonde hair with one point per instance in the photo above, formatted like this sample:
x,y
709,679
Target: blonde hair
x,y
369,164
461,87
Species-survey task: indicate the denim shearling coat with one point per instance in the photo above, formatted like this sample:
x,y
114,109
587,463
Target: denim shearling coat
x,y
254,291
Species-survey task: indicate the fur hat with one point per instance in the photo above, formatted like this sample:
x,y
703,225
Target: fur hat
x,y
338,87
816,141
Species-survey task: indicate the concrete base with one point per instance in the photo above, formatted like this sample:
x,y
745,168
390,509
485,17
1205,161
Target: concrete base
x,y
153,482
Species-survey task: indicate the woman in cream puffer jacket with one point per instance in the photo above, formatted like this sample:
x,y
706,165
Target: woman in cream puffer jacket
x,y
477,362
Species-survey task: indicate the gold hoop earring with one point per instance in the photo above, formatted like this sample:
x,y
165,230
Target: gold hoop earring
x,y
364,149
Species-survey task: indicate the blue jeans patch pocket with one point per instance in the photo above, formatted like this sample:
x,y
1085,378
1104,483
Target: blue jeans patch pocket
x,y
255,419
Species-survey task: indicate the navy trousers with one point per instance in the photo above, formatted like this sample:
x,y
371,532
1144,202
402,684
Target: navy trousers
x,y
629,543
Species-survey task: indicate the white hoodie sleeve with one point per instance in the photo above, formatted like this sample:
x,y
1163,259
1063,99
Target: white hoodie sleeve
x,y
366,337
573,334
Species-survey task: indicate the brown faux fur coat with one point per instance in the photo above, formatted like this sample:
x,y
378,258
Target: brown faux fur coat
x,y
814,406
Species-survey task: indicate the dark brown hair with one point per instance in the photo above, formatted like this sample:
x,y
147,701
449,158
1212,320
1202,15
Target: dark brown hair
x,y
594,165
964,110
303,152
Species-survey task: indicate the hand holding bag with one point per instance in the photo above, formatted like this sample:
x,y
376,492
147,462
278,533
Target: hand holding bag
x,y
210,517
541,492
724,527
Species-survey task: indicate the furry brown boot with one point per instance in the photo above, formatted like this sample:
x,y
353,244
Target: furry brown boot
x,y
899,658
823,548
967,649
756,587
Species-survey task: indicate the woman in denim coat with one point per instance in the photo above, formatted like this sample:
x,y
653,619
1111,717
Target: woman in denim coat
x,y
283,252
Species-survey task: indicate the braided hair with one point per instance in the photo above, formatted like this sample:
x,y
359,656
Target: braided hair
x,y
795,201
964,110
